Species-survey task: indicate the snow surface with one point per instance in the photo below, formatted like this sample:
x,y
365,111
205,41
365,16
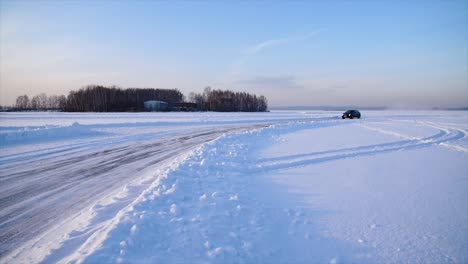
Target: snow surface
x,y
279,187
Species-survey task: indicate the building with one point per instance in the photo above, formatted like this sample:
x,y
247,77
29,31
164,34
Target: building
x,y
183,106
155,106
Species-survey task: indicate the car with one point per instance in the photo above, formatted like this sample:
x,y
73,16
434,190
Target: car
x,y
351,114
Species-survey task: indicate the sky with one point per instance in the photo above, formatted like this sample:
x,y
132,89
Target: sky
x,y
296,53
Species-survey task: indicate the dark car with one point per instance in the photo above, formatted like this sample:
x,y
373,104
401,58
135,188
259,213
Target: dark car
x,y
351,114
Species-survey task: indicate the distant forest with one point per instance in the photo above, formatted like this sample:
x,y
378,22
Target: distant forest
x,y
228,101
113,99
97,98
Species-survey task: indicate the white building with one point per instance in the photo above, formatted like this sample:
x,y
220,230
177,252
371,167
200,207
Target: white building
x,y
155,105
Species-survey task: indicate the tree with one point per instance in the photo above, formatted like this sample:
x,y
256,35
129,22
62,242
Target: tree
x,y
22,102
263,104
35,102
41,101
199,100
62,102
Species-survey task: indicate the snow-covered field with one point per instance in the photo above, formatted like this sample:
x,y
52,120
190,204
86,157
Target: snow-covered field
x,y
279,187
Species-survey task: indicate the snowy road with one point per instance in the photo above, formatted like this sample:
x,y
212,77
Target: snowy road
x,y
288,187
38,191
33,199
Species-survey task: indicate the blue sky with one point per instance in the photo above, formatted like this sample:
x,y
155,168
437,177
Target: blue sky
x,y
307,53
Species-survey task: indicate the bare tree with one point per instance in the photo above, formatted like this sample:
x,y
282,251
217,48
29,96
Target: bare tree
x,y
22,102
42,101
35,102
62,102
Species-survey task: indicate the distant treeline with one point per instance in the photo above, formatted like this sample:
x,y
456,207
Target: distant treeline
x,y
41,102
103,99
97,98
228,101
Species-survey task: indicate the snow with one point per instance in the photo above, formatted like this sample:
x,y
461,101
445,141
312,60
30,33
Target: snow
x,y
407,204
279,187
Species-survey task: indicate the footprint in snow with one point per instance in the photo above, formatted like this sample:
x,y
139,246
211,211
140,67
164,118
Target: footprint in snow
x,y
133,229
170,190
202,198
207,245
173,209
215,252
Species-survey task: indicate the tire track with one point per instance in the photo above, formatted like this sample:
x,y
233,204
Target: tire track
x,y
36,195
442,137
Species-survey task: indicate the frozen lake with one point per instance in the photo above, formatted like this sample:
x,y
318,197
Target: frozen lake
x,y
284,186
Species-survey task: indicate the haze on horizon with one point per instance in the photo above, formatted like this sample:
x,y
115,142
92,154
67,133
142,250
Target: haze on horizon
x,y
382,53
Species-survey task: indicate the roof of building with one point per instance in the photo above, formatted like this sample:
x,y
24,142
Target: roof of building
x,y
155,101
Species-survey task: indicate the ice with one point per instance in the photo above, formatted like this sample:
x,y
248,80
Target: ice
x,y
279,187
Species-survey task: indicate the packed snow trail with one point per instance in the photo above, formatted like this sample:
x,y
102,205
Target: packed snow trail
x,y
37,193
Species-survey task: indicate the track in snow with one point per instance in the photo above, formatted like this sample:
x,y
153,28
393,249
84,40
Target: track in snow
x,y
443,138
40,191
